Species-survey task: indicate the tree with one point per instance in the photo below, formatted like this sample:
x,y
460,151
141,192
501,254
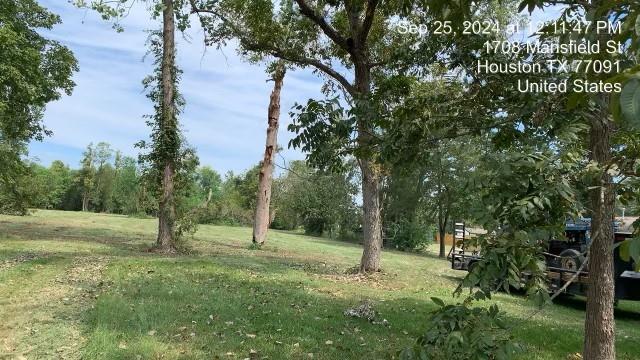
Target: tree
x,y
602,111
104,177
210,184
164,153
86,176
449,167
334,37
319,200
34,71
166,146
321,35
262,217
126,189
60,182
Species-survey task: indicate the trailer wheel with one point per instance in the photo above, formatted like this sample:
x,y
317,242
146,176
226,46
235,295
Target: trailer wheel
x,y
472,264
571,259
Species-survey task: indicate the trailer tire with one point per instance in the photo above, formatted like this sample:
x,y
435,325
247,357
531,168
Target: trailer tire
x,y
571,259
472,264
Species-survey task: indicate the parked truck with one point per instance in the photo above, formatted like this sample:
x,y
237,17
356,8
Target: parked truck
x,y
565,258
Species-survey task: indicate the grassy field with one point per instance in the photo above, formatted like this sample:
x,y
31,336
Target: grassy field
x,y
76,285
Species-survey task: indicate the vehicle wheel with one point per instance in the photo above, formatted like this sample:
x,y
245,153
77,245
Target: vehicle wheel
x,y
471,265
571,259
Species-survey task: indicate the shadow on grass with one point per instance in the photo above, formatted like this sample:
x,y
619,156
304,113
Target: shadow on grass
x,y
35,231
353,245
197,309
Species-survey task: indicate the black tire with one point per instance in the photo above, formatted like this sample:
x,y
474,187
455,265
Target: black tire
x,y
571,259
471,265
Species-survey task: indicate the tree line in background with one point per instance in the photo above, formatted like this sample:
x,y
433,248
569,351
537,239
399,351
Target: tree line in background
x,y
321,202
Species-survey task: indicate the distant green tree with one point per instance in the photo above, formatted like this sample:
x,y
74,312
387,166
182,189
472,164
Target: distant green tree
x,y
126,187
237,195
60,183
210,184
104,177
47,186
322,202
86,176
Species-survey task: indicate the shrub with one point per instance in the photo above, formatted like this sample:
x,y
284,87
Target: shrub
x,y
409,235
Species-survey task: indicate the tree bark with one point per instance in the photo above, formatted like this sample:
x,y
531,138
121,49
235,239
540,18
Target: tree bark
x,y
599,341
167,210
262,219
371,222
443,217
85,201
372,229
442,229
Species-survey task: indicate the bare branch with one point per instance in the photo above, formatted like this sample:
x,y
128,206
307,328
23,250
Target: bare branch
x,y
318,65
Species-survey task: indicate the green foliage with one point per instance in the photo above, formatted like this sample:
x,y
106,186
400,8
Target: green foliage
x,y
408,235
34,71
323,131
322,202
14,197
126,187
463,332
236,196
524,202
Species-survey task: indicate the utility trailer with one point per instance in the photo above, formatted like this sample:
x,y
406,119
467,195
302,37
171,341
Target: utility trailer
x,y
565,259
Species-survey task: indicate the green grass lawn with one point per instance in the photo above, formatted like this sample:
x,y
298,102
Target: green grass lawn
x,y
77,285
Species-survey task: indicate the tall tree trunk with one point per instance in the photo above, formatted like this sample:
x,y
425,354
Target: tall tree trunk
x,y
599,341
85,201
262,219
372,222
167,209
372,225
443,219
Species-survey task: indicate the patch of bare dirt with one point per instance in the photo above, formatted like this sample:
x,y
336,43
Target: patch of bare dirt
x,y
377,280
9,263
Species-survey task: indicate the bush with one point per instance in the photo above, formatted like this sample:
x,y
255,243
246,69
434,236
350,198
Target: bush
x,y
409,235
461,332
225,212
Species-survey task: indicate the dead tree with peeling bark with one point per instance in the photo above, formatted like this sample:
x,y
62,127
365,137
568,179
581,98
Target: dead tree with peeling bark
x,y
262,214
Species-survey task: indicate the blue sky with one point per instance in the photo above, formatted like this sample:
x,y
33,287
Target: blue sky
x,y
226,113
227,98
